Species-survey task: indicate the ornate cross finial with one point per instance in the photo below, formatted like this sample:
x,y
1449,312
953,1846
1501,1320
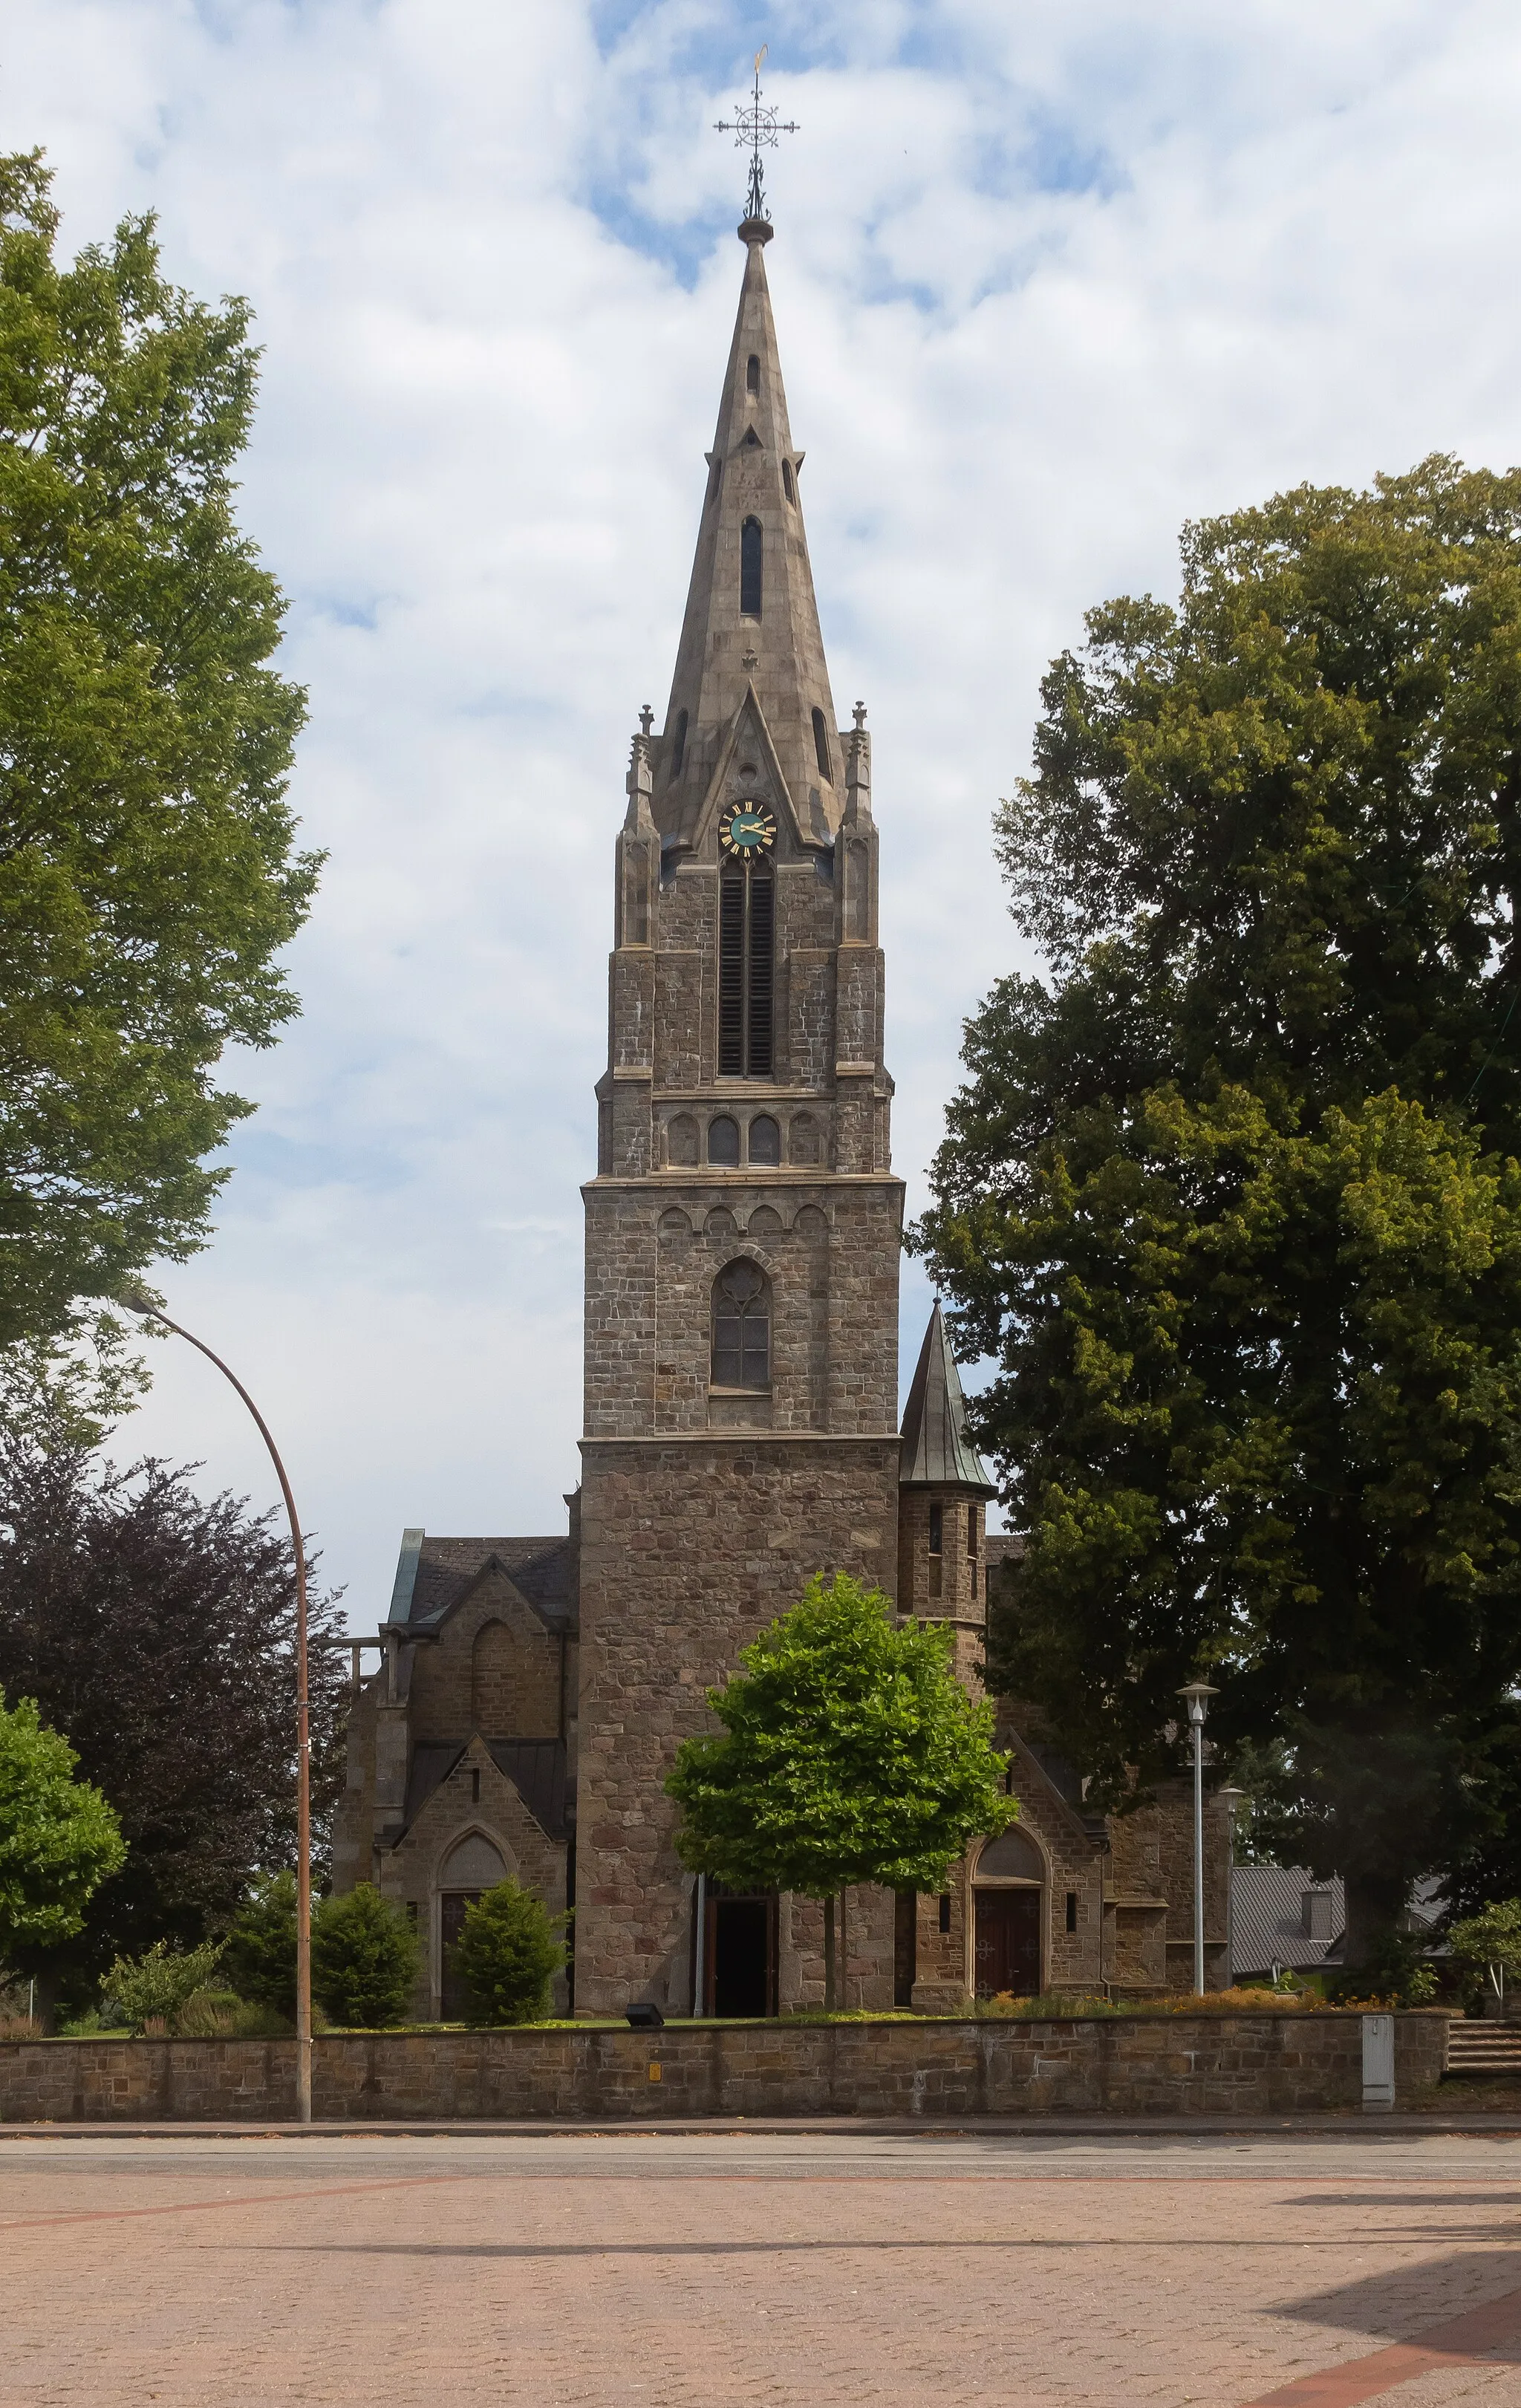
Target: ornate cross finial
x,y
758,126
647,719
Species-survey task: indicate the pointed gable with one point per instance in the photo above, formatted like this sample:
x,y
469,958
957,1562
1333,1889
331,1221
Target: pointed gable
x,y
936,1452
748,769
751,622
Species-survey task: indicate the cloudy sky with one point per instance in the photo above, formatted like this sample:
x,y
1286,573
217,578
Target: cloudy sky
x,y
1050,276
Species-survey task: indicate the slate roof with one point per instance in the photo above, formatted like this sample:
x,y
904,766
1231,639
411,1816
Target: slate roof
x,y
536,1767
538,1770
1267,1917
433,1574
433,1761
936,1452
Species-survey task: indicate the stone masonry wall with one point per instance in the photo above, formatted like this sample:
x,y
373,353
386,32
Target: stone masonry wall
x,y
1166,2065
688,1549
830,1250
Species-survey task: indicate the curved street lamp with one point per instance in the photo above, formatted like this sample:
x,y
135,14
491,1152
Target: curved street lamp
x,y
137,1300
1198,1693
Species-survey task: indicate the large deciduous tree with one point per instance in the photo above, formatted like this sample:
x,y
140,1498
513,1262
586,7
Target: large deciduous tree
x,y
1230,1191
157,1630
850,1753
147,878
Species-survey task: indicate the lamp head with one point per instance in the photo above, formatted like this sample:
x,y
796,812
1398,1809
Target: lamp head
x,y
137,1300
1198,1693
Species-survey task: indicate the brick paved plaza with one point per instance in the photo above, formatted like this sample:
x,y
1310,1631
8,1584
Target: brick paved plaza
x,y
795,2268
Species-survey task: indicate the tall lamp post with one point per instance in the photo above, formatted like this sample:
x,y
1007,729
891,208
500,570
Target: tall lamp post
x,y
137,1300
1198,1693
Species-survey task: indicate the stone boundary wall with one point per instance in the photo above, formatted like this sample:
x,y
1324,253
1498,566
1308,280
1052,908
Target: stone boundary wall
x,y
1249,2064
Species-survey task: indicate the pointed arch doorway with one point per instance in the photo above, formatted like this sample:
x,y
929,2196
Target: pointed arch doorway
x,y
1008,1891
472,1866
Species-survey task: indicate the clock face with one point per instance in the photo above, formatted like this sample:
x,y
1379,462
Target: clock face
x,y
747,830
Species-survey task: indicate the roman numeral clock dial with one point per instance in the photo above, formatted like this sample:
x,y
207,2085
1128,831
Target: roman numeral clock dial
x,y
747,831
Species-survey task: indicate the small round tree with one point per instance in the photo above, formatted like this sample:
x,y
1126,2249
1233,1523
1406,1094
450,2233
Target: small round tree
x,y
507,1955
59,1839
849,1753
1487,1949
365,1959
158,1987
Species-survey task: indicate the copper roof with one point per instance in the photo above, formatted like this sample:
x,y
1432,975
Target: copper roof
x,y
936,1452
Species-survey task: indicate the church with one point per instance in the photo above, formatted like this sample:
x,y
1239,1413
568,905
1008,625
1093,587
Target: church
x,y
741,1433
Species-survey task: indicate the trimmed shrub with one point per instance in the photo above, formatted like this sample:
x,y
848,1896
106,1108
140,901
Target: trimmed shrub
x,y
365,1959
152,1992
507,1955
260,1956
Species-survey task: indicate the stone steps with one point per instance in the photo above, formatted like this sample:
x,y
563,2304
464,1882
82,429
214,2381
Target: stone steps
x,y
1483,2049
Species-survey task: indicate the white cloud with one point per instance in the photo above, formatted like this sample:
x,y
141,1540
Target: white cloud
x,y
1049,279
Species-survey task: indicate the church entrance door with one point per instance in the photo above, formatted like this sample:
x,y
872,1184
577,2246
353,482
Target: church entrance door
x,y
454,2002
742,1954
1007,1942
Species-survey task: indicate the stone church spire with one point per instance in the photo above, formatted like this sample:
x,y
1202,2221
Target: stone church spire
x,y
752,623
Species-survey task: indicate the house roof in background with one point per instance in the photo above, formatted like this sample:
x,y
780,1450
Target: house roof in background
x,y
1267,1917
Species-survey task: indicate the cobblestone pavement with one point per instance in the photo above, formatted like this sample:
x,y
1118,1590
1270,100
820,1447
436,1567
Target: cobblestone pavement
x,y
659,2271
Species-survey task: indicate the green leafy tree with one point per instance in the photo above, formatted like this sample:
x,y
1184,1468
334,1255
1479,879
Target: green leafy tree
x,y
260,1956
850,1753
365,1958
148,879
508,1951
1486,1947
158,1629
157,1986
59,1839
1230,1191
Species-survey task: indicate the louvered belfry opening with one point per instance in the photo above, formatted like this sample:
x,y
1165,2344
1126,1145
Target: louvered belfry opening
x,y
746,973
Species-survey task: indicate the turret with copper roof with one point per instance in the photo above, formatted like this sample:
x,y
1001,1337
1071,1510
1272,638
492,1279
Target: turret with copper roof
x,y
943,1491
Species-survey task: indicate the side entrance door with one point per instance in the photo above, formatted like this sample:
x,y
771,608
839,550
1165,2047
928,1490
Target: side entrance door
x,y
742,1954
1007,1942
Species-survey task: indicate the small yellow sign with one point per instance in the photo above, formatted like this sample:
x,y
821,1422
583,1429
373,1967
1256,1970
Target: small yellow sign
x,y
654,2072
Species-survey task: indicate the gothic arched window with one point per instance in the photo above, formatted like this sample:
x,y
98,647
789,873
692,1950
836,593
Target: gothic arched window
x,y
677,749
741,1327
820,747
753,374
765,1141
746,940
724,1141
749,568
787,481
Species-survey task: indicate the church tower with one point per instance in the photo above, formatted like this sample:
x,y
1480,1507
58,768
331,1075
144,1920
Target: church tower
x,y
743,1227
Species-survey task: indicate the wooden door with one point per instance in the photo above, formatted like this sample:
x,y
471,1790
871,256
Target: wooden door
x,y
1007,1942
